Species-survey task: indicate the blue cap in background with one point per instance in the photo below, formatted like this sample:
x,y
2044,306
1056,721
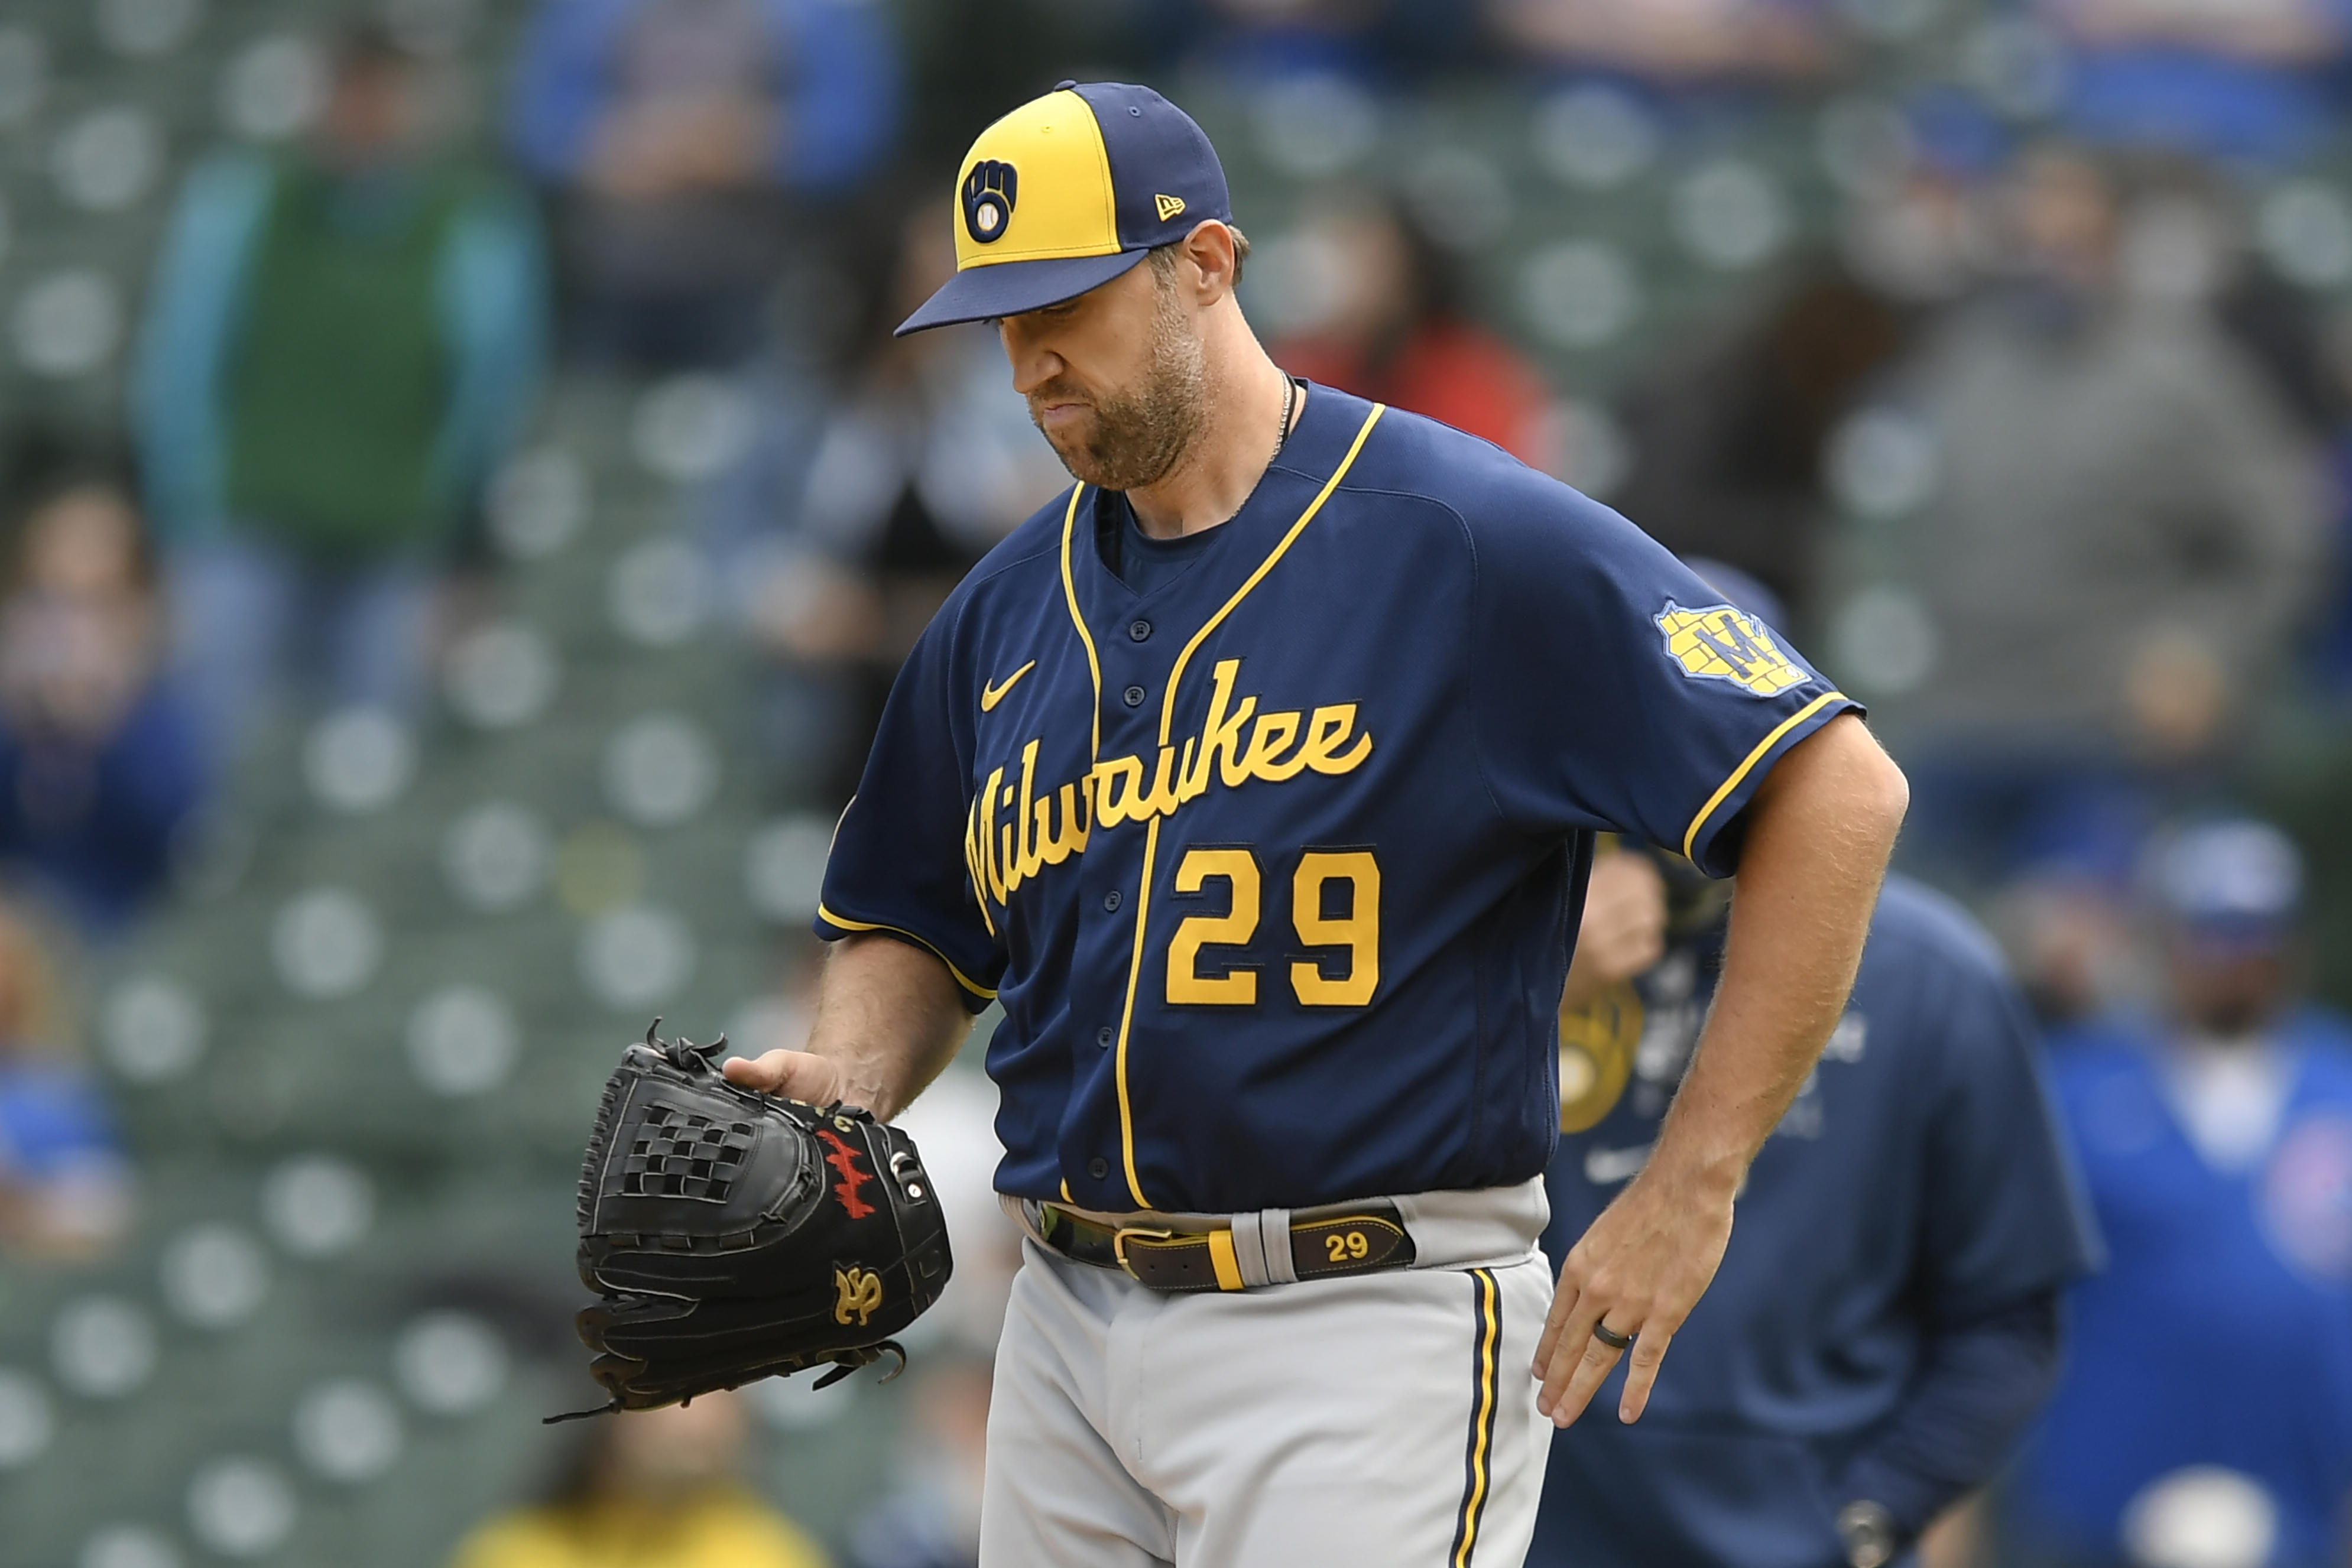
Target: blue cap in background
x,y
2236,881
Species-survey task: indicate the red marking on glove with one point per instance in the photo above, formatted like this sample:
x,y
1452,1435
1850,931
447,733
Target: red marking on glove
x,y
843,1159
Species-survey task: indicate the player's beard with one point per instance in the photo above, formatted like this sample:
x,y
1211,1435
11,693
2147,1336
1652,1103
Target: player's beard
x,y
1135,437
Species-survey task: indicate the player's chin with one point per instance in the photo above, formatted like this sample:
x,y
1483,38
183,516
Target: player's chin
x,y
1079,457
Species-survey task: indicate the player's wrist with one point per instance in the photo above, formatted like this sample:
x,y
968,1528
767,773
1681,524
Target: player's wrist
x,y
1695,1169
852,1080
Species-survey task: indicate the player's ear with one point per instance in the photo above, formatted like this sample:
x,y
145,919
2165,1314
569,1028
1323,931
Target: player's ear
x,y
1210,248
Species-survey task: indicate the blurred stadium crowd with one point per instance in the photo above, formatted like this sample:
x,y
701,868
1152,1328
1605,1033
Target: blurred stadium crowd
x,y
463,512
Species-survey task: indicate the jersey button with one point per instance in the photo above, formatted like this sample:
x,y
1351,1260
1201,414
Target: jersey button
x,y
1103,1037
1111,901
1137,630
1133,696
1097,1167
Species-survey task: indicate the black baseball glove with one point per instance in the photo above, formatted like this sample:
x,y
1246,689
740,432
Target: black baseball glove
x,y
735,1236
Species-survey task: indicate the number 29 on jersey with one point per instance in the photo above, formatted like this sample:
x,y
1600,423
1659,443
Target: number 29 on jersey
x,y
1335,912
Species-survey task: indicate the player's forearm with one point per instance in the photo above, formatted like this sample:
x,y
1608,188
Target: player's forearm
x,y
1820,832
890,1015
1978,1386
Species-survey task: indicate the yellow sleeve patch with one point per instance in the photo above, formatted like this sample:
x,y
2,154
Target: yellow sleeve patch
x,y
1722,643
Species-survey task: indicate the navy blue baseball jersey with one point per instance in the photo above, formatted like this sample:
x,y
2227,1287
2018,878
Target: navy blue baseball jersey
x,y
1274,867
1918,1184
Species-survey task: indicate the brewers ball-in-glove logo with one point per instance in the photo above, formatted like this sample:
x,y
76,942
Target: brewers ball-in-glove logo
x,y
990,192
1597,1044
1723,642
733,1236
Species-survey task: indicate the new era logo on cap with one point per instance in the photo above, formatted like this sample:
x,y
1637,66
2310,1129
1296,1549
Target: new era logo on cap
x,y
1067,191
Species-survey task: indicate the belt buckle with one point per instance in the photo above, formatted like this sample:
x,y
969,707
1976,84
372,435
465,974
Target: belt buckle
x,y
1118,1244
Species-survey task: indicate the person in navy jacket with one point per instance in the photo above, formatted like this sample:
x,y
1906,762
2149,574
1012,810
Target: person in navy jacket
x,y
1886,1322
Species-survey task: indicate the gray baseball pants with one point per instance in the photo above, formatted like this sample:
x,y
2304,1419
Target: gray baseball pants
x,y
1383,1420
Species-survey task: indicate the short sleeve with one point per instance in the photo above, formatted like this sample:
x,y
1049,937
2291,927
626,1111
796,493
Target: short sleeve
x,y
1615,691
2005,1215
898,863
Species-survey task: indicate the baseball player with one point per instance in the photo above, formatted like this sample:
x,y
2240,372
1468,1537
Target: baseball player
x,y
1256,777
1885,1323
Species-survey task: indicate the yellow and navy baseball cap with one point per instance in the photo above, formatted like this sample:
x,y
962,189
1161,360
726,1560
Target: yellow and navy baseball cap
x,y
1067,191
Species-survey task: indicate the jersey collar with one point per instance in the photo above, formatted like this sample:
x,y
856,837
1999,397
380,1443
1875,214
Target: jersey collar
x,y
1328,423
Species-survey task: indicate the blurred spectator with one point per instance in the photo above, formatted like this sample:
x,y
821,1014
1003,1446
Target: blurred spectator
x,y
688,141
1671,43
1885,1323
847,529
2251,79
341,342
651,1489
2209,1395
1264,39
2127,525
2068,933
1915,226
2303,345
1371,43
931,1518
1730,440
100,758
65,1186
1389,323
2332,649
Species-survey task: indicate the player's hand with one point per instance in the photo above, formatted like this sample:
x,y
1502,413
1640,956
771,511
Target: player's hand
x,y
793,1074
1640,1267
1623,931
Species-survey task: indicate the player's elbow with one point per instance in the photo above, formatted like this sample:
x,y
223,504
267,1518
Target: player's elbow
x,y
1840,783
1877,798
1885,793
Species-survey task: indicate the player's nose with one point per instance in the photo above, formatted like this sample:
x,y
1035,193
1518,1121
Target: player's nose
x,y
1034,364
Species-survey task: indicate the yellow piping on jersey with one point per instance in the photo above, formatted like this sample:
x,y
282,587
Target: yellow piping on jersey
x,y
1070,597
1723,793
1168,707
1127,1014
1167,715
966,981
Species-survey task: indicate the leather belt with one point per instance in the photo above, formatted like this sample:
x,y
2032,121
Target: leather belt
x,y
1235,1254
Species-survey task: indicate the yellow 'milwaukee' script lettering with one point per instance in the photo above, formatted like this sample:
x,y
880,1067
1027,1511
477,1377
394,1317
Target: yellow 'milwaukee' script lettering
x,y
1015,831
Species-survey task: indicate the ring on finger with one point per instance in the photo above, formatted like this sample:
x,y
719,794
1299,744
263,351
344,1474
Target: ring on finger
x,y
1611,1337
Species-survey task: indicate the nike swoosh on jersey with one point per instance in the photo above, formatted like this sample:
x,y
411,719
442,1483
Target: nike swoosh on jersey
x,y
1606,1167
991,696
